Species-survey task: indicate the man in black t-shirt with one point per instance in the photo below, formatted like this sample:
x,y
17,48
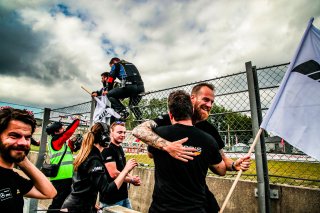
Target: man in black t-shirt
x,y
164,120
16,129
202,97
115,161
180,186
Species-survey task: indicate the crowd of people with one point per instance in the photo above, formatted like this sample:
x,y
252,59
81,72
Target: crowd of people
x,y
182,143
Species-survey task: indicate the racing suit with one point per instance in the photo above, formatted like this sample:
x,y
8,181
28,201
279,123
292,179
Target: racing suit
x,y
131,86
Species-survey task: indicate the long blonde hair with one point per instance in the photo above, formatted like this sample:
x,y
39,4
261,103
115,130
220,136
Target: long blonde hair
x,y
89,139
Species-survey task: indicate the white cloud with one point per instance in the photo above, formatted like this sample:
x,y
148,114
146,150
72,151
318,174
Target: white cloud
x,y
171,42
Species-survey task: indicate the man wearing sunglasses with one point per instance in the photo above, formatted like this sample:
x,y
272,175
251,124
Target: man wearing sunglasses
x,y
115,162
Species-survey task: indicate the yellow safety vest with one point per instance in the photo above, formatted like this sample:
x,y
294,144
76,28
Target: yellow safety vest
x,y
66,166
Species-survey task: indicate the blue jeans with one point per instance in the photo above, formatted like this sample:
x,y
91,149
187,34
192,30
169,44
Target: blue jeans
x,y
125,203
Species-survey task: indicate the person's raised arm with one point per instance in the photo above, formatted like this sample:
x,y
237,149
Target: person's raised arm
x,y
58,141
99,178
123,174
145,133
43,188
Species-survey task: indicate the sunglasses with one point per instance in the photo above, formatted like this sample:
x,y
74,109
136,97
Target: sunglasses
x,y
119,122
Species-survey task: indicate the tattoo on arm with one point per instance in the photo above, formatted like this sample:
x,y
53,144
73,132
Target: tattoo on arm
x,y
154,142
145,133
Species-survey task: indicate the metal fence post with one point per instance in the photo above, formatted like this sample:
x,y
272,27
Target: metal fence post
x,y
93,106
42,151
262,141
255,129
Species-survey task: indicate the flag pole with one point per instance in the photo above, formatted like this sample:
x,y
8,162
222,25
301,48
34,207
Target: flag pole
x,y
85,89
240,172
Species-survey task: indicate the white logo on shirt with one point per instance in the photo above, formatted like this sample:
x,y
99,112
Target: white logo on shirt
x,y
98,168
5,194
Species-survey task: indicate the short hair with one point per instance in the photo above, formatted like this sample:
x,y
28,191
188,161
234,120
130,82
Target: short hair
x,y
180,106
8,114
114,60
117,123
105,74
197,87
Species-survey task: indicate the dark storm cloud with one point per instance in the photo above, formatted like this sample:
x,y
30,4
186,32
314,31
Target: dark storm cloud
x,y
18,46
23,53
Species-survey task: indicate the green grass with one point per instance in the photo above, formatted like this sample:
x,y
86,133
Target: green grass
x,y
280,172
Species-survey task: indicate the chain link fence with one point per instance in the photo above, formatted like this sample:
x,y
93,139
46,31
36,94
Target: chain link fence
x,y
67,115
231,115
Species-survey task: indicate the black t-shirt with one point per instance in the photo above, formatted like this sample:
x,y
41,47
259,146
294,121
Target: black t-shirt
x,y
115,154
12,189
180,186
164,120
88,180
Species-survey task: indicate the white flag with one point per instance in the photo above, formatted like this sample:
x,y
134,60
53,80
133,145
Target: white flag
x,y
103,110
294,114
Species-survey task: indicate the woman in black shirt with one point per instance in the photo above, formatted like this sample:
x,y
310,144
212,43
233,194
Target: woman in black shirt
x,y
90,175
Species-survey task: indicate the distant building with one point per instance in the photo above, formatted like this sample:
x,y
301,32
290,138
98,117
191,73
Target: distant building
x,y
273,144
240,147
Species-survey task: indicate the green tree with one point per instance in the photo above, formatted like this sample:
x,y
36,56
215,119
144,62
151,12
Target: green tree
x,y
231,125
150,109
238,124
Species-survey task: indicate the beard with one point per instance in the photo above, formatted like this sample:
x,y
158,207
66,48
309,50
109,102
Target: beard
x,y
6,152
200,113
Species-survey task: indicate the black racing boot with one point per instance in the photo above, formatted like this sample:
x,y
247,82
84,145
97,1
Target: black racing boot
x,y
124,115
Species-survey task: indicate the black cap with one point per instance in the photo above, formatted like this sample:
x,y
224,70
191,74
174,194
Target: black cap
x,y
53,127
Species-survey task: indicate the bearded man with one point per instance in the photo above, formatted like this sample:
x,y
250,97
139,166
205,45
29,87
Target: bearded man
x,y
16,129
202,98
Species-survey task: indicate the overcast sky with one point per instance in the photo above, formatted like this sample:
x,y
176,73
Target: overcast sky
x,y
50,48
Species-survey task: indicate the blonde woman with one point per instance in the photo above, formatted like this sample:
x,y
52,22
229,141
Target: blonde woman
x,y
90,173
